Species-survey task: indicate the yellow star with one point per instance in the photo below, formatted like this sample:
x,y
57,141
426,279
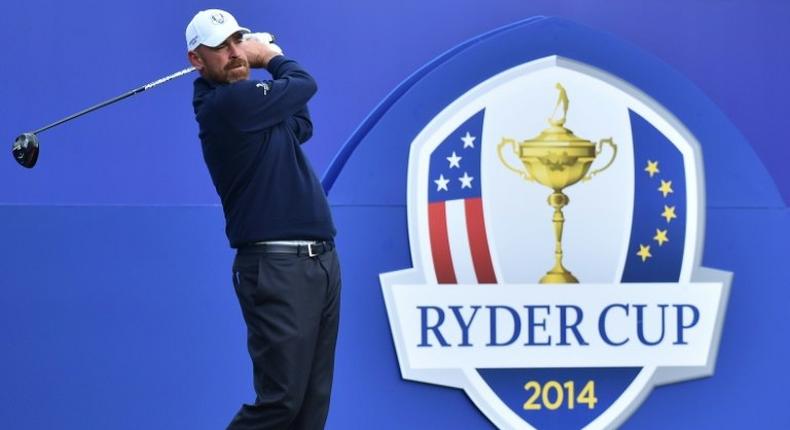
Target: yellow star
x,y
661,237
652,168
666,187
669,213
644,252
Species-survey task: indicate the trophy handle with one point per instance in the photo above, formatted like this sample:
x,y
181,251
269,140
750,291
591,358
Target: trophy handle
x,y
523,173
598,149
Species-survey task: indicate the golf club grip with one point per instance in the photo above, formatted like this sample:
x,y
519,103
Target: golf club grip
x,y
116,99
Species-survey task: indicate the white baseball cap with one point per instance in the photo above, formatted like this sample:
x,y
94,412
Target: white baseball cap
x,y
211,27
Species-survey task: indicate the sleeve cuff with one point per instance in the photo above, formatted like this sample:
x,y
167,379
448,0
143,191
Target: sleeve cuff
x,y
274,63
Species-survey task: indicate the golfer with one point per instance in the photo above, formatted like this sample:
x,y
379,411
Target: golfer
x,y
286,272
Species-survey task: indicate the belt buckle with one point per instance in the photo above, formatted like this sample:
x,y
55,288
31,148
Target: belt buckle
x,y
310,252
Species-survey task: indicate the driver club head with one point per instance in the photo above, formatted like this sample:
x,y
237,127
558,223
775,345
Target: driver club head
x,y
25,149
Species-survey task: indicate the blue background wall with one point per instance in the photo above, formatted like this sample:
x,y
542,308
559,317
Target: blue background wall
x,y
116,309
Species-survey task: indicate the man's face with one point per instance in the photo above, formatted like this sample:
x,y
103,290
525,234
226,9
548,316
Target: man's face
x,y
224,63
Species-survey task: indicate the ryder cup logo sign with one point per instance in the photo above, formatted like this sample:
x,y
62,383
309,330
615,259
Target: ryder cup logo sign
x,y
555,218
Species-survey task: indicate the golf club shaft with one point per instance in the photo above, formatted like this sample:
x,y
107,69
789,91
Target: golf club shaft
x,y
118,98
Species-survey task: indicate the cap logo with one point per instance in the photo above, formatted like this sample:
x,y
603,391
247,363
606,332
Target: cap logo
x,y
217,18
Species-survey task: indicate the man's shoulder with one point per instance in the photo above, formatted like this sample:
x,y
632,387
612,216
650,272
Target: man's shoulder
x,y
203,91
210,98
228,94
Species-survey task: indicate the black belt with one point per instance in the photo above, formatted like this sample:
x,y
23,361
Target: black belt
x,y
310,250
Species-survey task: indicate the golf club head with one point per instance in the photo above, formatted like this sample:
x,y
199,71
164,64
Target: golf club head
x,y
25,149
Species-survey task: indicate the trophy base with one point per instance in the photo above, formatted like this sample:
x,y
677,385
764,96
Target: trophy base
x,y
559,278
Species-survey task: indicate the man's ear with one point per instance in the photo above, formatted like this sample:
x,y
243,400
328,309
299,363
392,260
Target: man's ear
x,y
195,60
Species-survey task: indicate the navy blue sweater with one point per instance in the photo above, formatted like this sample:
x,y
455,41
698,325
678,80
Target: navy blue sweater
x,y
251,133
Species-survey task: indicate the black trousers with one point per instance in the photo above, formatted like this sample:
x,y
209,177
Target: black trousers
x,y
291,305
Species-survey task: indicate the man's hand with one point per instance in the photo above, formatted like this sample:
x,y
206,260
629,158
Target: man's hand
x,y
263,37
260,49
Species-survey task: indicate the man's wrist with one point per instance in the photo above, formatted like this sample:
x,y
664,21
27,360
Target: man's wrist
x,y
256,61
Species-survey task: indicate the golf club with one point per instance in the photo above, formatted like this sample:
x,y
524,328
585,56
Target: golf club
x,y
26,147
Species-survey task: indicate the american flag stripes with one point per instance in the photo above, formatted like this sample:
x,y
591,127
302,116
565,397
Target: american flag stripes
x,y
455,209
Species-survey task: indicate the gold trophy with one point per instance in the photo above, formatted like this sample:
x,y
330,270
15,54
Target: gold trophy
x,y
557,159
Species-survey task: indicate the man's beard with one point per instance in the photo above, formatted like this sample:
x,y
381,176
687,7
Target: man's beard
x,y
231,72
235,73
